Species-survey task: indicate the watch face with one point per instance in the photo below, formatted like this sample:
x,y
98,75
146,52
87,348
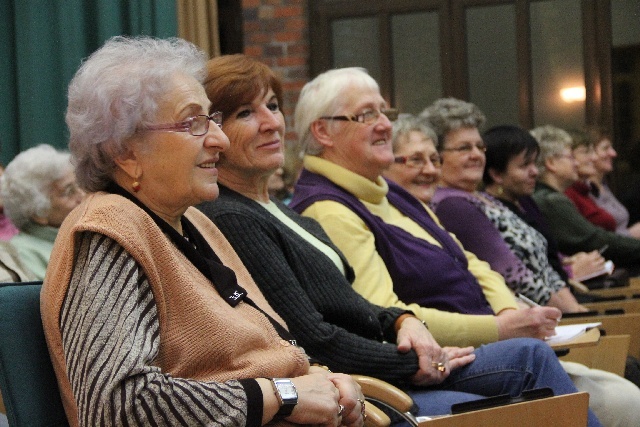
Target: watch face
x,y
287,390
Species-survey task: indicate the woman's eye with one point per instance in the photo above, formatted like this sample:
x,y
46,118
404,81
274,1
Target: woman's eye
x,y
243,113
273,106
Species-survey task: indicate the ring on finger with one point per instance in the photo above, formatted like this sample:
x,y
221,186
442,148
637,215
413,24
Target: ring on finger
x,y
362,408
439,366
340,410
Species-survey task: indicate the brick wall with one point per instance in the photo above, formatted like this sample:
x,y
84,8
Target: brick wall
x,y
276,32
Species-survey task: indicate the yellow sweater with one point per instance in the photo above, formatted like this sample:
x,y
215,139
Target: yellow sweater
x,y
351,235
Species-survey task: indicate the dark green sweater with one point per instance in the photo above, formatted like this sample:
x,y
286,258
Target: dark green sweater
x,y
574,233
332,322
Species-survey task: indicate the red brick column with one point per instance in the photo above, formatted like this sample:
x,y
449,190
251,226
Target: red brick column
x,y
276,32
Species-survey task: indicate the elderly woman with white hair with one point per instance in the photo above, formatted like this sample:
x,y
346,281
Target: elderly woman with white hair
x,y
400,254
573,232
39,189
150,316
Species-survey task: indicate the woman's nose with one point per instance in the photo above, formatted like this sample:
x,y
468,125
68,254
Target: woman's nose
x,y
215,137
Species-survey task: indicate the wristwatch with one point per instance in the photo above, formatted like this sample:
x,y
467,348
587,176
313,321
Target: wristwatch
x,y
287,395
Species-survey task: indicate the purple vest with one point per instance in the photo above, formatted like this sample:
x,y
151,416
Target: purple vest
x,y
422,273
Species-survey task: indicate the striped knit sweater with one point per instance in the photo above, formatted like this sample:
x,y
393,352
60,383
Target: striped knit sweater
x,y
139,337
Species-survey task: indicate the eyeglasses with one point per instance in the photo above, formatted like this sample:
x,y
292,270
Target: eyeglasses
x,y
468,148
367,117
418,162
196,125
566,156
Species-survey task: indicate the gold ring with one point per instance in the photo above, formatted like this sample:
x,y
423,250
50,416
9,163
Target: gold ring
x,y
439,366
340,410
362,409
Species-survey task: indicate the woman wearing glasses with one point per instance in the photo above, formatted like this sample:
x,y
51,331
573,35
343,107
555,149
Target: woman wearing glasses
x,y
490,230
150,316
305,278
400,254
572,231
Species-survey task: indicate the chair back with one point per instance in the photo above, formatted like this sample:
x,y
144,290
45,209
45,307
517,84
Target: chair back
x,y
27,380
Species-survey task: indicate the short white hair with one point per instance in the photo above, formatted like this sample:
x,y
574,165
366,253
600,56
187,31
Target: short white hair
x,y
27,181
552,141
323,96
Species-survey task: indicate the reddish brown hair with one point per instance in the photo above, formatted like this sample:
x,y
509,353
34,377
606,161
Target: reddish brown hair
x,y
235,80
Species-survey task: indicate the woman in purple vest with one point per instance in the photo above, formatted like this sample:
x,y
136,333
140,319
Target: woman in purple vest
x,y
490,230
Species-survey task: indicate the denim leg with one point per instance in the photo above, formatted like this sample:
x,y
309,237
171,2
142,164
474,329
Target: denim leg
x,y
510,367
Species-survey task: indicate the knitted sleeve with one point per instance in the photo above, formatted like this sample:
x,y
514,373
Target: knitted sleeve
x,y
479,235
303,288
110,335
574,233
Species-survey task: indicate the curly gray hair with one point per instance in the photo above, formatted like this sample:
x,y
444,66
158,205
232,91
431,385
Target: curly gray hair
x,y
447,114
553,141
27,181
115,92
406,123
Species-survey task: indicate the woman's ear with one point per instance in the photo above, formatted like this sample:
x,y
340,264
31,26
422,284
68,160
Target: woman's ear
x,y
321,132
497,177
40,220
128,163
550,164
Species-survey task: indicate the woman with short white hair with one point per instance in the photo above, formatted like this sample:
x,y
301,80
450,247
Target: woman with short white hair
x,y
39,189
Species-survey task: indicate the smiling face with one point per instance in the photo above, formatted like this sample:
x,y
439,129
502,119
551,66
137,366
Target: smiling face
x,y
176,169
362,148
605,153
462,168
519,178
418,180
585,157
256,132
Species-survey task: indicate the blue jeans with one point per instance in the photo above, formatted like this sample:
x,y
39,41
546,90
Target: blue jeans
x,y
504,367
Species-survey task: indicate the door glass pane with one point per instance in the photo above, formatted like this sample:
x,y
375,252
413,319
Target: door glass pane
x,y
491,50
625,74
416,61
356,44
625,16
556,56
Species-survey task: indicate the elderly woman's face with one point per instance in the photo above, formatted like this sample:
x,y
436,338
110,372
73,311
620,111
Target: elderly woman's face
x,y
64,195
563,166
362,148
256,132
605,153
419,167
585,157
179,169
463,158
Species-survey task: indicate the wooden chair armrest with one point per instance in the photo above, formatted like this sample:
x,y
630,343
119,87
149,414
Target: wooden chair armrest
x,y
384,392
375,417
